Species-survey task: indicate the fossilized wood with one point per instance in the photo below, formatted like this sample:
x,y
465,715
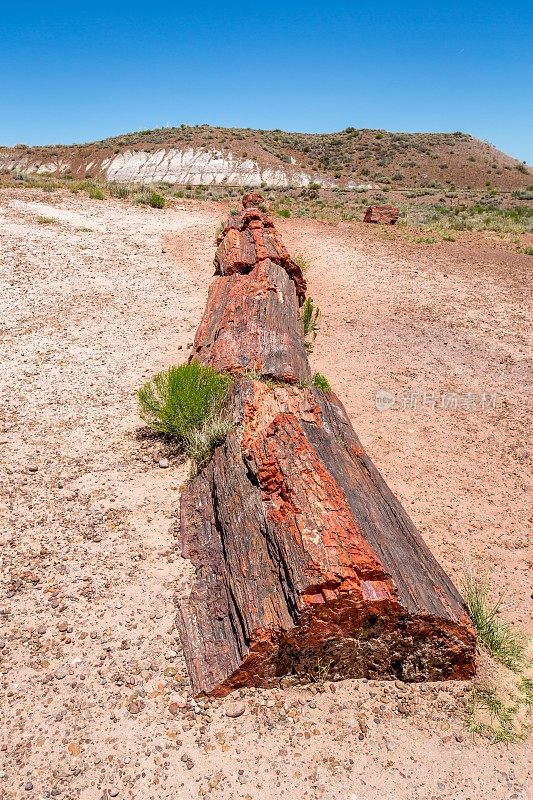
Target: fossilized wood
x,y
248,239
305,560
382,215
251,323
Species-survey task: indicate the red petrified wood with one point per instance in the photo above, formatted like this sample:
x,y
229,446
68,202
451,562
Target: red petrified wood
x,y
305,561
384,215
251,324
250,238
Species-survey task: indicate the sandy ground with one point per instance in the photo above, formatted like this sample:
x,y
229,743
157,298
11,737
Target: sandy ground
x,y
95,701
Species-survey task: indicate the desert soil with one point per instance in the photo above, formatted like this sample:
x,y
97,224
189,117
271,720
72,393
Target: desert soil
x,y
95,692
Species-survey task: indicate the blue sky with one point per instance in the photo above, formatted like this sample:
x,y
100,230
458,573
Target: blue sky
x,y
73,72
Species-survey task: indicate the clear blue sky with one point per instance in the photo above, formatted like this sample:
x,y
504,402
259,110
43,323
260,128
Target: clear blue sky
x,y
73,72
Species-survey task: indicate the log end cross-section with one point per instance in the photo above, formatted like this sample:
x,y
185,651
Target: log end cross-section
x,y
305,561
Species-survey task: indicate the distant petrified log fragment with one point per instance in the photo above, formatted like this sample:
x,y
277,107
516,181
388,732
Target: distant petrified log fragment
x,y
384,215
251,323
250,238
305,561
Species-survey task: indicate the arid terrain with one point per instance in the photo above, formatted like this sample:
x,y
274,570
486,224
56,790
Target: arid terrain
x,y
214,156
98,295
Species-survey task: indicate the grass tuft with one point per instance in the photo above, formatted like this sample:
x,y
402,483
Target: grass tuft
x,y
310,317
321,382
46,220
185,403
504,644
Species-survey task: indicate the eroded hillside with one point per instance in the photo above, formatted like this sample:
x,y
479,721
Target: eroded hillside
x,y
205,155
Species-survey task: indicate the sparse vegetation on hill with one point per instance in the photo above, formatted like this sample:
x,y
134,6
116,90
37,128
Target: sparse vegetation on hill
x,y
353,156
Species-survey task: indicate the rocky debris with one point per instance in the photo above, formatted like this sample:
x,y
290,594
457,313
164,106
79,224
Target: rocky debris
x,y
251,324
250,238
235,710
382,215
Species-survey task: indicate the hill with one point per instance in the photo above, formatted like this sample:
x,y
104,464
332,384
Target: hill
x,y
206,155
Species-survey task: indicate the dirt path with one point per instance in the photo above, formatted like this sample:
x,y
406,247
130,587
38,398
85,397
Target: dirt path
x,y
95,698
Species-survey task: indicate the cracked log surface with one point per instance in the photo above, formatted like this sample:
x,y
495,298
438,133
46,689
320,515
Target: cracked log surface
x,y
249,238
251,324
305,560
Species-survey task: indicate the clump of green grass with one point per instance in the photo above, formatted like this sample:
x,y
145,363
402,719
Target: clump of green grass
x,y
528,251
283,212
156,200
119,190
186,403
93,191
321,382
150,198
425,240
505,645
46,220
488,715
301,262
310,317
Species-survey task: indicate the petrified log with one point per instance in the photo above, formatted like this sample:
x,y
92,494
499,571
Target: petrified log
x,y
249,238
305,561
383,215
251,324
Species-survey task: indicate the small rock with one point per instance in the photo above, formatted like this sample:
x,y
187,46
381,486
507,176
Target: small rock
x,y
32,468
164,463
113,792
28,786
235,710
390,744
60,674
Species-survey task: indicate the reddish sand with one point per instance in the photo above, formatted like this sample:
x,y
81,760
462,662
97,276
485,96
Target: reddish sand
x,y
96,697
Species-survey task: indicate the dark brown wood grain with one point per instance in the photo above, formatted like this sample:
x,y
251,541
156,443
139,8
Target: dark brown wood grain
x,y
305,559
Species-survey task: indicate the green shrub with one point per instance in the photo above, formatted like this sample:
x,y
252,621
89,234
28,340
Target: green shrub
x,y
321,382
94,191
310,317
528,251
283,212
185,403
156,200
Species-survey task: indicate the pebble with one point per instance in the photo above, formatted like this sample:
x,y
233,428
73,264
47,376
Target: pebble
x,y
32,468
390,744
28,786
164,463
113,792
235,710
60,674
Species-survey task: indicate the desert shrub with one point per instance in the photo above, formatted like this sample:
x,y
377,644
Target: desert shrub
x,y
119,190
283,212
310,317
156,200
185,403
321,382
46,220
93,191
150,198
528,251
